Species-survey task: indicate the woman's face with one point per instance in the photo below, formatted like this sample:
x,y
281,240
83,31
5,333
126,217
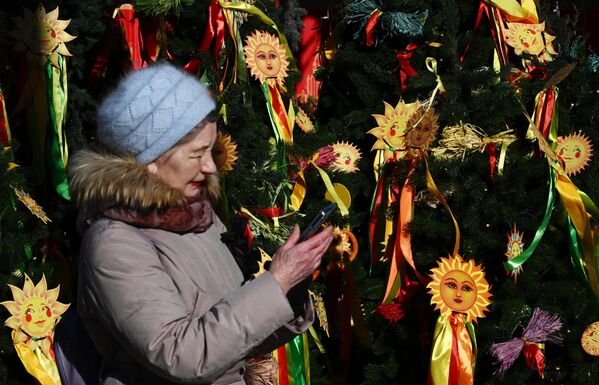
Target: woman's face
x,y
185,166
458,290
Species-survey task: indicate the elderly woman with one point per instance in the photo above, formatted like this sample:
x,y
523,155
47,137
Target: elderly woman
x,y
159,293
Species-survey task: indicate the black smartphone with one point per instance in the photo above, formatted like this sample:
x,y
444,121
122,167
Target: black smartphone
x,y
317,222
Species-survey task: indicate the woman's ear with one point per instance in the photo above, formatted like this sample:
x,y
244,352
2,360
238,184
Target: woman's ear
x,y
152,168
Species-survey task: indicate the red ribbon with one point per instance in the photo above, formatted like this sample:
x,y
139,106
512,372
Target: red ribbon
x,y
4,130
371,25
215,30
309,59
279,109
534,356
270,212
545,111
491,150
130,25
283,372
405,68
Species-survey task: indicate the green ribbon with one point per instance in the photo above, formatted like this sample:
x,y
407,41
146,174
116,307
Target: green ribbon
x,y
295,361
575,254
271,111
470,326
57,102
516,262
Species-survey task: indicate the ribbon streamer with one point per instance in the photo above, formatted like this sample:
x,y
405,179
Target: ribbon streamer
x,y
5,136
453,354
431,65
42,368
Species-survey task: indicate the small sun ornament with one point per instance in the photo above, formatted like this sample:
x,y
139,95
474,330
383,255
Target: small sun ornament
x,y
575,150
344,243
459,286
32,205
320,311
303,121
422,128
515,247
224,153
42,33
531,39
266,58
392,126
347,158
35,312
590,339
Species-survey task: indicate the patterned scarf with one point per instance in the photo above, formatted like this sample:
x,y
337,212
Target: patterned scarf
x,y
194,217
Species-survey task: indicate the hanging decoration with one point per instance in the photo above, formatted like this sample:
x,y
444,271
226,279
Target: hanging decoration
x,y
458,139
268,63
391,130
5,136
530,39
304,122
461,293
224,153
35,311
141,35
590,339
515,246
320,311
543,327
32,205
377,24
307,88
44,94
347,157
422,128
575,150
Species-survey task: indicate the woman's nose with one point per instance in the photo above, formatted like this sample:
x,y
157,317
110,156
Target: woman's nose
x,y
208,166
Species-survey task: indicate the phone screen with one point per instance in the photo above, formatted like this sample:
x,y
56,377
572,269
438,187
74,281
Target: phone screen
x,y
317,222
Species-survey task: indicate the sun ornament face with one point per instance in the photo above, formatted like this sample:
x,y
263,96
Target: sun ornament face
x,y
391,129
303,121
224,153
422,128
35,309
515,247
530,38
266,58
575,150
348,156
459,286
42,33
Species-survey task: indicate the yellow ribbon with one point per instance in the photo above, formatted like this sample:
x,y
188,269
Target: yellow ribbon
x,y
432,187
331,189
431,65
317,340
42,368
299,192
517,11
442,351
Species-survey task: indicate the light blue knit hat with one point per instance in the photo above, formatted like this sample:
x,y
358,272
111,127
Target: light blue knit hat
x,y
150,110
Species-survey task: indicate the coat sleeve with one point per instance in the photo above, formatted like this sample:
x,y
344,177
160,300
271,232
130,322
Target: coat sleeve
x,y
138,302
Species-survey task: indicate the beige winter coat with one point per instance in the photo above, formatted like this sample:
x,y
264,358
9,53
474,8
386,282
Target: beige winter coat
x,y
164,307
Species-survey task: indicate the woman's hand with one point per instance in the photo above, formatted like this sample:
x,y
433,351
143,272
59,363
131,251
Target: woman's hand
x,y
294,262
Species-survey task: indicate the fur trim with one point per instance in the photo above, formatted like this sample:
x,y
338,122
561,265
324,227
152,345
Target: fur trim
x,y
101,180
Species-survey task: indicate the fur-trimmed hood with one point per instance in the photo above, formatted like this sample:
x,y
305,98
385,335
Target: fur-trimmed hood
x,y
101,180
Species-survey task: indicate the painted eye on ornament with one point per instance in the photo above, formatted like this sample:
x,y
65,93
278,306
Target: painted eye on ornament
x,y
467,288
451,285
272,56
262,56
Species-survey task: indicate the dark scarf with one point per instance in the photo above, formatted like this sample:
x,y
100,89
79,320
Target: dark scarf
x,y
193,217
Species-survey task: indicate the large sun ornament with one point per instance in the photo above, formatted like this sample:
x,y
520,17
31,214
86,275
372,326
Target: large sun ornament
x,y
266,58
34,314
392,125
459,286
42,33
530,38
422,128
575,150
347,158
515,247
224,153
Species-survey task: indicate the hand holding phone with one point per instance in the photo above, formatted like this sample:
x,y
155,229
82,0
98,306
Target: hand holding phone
x,y
317,222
